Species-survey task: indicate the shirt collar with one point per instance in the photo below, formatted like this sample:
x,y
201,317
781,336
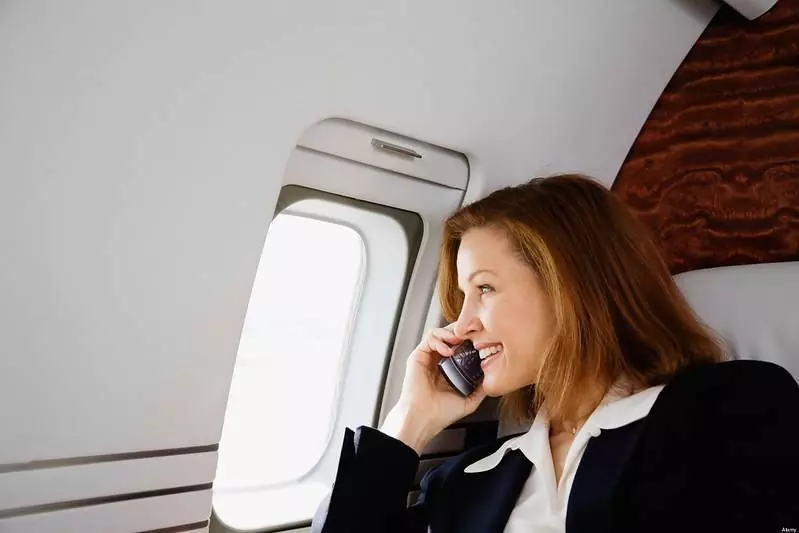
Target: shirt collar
x,y
491,461
616,409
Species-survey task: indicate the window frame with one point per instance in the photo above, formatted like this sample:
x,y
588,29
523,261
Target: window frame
x,y
361,402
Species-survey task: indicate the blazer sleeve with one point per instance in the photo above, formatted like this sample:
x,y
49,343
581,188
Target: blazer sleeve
x,y
370,492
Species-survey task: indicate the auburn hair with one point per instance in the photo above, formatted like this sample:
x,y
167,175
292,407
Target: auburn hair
x,y
618,312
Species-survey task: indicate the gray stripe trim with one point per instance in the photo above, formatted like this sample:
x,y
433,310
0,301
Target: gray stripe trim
x,y
179,529
94,459
87,502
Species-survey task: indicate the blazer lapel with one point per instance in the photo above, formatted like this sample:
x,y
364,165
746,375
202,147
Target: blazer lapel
x,y
591,497
482,501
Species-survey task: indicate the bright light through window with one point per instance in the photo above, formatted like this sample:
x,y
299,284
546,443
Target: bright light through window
x,y
283,395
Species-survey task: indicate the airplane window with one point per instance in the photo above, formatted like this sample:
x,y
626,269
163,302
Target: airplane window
x,y
345,280
305,294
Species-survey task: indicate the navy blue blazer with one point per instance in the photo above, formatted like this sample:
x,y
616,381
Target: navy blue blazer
x,y
719,451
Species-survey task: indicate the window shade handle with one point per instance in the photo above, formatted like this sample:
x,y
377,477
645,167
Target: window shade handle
x,y
395,148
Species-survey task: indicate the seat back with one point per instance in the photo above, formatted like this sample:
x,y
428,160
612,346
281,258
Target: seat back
x,y
753,308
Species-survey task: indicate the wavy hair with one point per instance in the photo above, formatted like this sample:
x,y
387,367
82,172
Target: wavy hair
x,y
618,312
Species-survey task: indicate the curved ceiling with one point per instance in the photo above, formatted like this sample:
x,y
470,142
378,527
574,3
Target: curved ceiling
x,y
214,89
144,144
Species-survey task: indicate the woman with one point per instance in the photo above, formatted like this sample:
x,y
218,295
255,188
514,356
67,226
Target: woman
x,y
637,425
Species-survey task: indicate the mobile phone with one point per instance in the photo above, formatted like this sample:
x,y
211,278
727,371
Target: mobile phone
x,y
462,371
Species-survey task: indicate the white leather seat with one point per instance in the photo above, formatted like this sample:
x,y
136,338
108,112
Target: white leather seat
x,y
753,308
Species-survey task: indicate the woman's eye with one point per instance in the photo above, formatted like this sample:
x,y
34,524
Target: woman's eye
x,y
485,288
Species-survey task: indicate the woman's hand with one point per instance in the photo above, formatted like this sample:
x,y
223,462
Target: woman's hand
x,y
427,404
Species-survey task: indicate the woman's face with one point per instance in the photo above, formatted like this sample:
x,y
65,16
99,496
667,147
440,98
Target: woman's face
x,y
505,310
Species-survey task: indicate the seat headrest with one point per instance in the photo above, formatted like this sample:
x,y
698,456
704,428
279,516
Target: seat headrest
x,y
754,309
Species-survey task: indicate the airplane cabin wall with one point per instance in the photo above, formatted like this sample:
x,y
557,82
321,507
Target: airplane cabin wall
x,y
142,148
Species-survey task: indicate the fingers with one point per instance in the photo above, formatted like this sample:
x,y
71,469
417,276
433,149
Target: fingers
x,y
440,340
438,345
447,333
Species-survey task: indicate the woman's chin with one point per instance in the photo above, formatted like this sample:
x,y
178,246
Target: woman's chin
x,y
494,388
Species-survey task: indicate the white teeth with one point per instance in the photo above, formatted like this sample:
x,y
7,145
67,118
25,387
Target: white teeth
x,y
491,350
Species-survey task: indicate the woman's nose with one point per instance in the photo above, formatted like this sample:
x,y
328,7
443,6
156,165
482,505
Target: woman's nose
x,y
466,324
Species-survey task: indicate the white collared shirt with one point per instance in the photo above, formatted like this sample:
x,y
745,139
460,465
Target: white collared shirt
x,y
541,507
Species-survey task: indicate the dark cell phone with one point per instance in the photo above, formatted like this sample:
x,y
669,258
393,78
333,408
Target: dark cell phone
x,y
462,371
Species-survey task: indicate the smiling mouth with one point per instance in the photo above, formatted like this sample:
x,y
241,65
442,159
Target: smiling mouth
x,y
490,351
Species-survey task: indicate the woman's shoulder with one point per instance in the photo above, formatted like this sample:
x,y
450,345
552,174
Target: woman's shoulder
x,y
735,373
730,384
